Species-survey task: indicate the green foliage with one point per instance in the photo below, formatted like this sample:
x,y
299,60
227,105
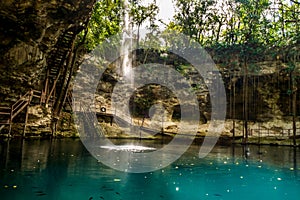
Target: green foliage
x,y
105,21
141,13
141,104
291,67
252,24
195,18
251,28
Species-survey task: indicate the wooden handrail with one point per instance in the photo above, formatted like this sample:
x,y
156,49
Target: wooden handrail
x,y
5,108
4,113
11,112
36,93
69,97
21,100
21,104
274,132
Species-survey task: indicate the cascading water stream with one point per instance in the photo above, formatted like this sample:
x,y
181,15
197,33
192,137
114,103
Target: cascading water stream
x,y
127,42
123,90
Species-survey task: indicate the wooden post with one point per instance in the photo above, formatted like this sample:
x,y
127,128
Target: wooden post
x,y
27,109
259,137
7,154
111,120
26,119
46,89
10,121
52,89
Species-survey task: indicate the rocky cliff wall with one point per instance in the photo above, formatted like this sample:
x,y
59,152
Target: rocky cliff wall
x,y
269,90
28,32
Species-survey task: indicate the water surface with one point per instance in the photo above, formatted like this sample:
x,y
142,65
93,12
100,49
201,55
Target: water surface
x,y
64,170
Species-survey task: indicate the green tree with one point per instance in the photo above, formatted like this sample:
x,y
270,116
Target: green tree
x,y
140,14
196,18
105,21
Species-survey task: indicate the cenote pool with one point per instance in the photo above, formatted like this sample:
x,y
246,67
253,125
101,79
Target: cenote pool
x,y
64,170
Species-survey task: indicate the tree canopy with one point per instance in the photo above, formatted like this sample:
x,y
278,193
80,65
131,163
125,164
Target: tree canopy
x,y
264,23
244,25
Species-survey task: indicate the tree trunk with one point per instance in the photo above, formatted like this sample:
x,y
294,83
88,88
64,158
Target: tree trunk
x,y
138,37
282,20
219,31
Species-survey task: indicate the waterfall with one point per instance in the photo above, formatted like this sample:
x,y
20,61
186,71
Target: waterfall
x,y
127,42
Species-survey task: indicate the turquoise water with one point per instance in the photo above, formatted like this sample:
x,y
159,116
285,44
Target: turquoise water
x,y
64,170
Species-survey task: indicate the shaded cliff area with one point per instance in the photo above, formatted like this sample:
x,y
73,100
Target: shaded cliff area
x,y
29,31
35,41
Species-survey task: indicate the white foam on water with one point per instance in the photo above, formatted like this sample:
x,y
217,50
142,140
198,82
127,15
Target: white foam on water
x,y
132,148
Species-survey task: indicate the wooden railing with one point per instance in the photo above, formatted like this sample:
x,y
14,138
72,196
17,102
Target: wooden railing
x,y
21,104
7,114
87,119
69,98
273,132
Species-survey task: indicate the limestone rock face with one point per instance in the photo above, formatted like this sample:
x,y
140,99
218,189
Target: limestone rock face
x,y
28,32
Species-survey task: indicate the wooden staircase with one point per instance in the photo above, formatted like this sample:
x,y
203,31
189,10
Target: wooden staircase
x,y
56,75
62,49
56,63
8,114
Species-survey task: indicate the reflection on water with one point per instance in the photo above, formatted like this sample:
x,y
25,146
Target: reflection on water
x,y
131,148
63,169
